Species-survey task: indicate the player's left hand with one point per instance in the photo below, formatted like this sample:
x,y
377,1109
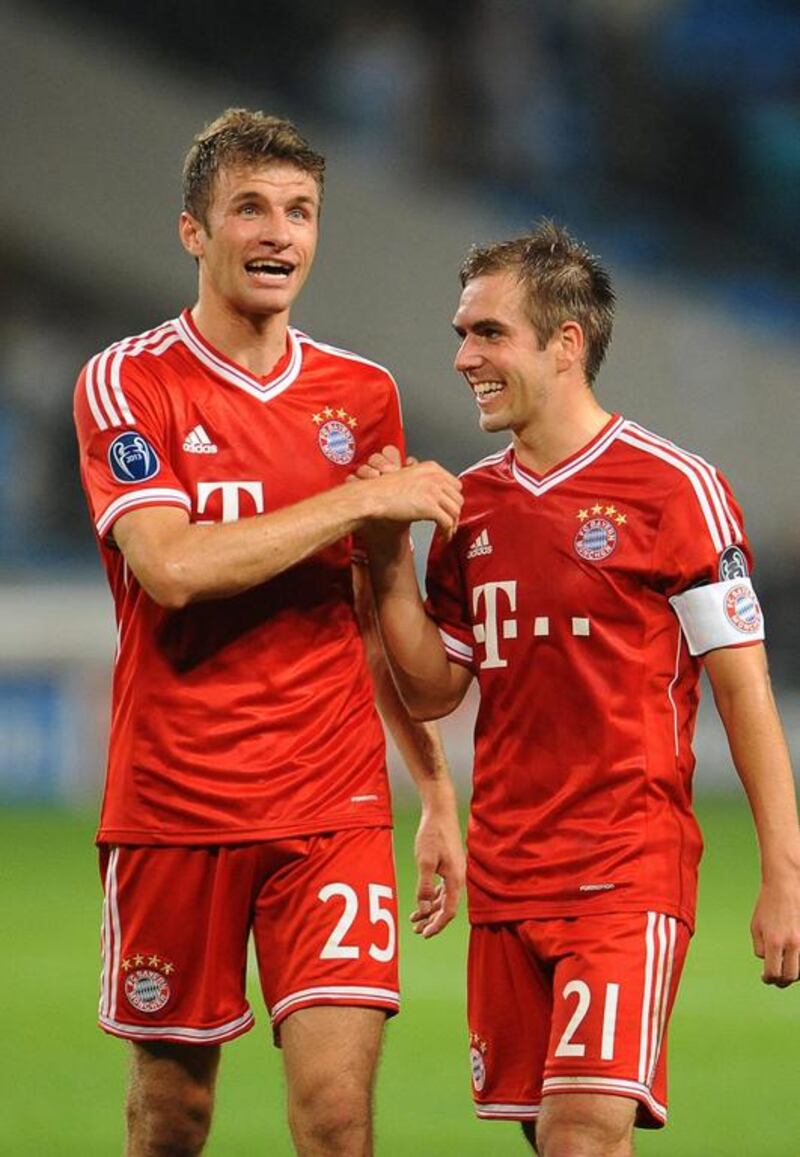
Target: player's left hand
x,y
775,930
439,852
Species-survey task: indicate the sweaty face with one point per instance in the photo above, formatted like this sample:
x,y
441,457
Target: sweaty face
x,y
258,244
499,356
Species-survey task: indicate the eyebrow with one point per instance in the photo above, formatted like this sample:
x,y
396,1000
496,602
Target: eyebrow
x,y
481,326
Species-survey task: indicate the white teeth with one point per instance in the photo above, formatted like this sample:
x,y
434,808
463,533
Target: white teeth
x,y
487,389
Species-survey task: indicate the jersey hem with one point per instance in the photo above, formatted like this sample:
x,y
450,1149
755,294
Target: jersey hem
x,y
213,837
555,910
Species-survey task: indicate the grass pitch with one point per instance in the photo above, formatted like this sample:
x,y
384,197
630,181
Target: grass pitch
x,y
733,1044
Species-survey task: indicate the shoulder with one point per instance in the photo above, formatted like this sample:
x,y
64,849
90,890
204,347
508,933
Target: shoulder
x,y
690,482
489,469
664,456
335,356
114,378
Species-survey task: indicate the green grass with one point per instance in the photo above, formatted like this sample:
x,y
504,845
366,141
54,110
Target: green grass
x,y
734,1042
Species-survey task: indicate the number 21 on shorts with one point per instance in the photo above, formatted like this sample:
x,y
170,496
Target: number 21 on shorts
x,y
384,943
568,1046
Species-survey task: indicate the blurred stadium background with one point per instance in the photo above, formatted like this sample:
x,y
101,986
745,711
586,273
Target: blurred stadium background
x,y
666,133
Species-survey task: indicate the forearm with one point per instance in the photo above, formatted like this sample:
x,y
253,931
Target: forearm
x,y
761,757
225,559
430,685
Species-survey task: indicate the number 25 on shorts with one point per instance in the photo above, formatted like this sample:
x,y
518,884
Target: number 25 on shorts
x,y
384,943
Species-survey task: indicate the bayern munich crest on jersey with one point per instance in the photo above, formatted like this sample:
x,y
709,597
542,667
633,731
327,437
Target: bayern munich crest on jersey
x,y
598,535
335,437
742,609
147,988
132,458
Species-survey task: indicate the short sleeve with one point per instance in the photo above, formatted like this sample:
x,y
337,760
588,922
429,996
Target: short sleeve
x,y
446,601
124,456
703,564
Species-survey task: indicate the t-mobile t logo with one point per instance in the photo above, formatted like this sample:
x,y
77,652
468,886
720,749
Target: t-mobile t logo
x,y
492,628
231,500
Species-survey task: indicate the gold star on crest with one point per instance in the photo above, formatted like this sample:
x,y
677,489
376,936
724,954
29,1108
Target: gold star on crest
x,y
127,965
154,961
138,960
621,520
597,508
328,412
167,968
352,423
316,419
611,510
583,514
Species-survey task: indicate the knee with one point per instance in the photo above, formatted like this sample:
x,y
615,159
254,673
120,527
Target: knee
x,y
172,1125
331,1114
579,1131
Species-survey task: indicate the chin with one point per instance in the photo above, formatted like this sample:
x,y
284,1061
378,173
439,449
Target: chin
x,y
492,423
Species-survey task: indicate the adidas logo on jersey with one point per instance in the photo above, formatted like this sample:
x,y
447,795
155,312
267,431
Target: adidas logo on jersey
x,y
481,545
198,442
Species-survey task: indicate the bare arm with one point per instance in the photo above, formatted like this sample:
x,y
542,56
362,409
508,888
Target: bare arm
x,y
438,846
743,695
177,562
430,685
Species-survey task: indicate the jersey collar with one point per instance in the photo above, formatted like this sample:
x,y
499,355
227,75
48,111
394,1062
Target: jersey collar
x,y
263,389
539,484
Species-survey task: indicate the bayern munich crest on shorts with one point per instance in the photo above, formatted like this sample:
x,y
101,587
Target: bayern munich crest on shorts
x,y
596,539
337,443
147,989
742,609
477,1063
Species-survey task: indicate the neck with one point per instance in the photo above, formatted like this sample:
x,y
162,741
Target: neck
x,y
256,342
560,432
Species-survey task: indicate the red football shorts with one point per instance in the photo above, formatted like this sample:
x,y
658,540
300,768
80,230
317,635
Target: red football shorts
x,y
177,921
577,1005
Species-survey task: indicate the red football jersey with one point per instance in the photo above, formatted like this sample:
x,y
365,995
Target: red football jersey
x,y
249,717
555,592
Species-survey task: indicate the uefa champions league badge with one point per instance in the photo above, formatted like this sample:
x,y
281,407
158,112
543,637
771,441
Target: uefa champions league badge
x,y
742,610
132,458
147,987
335,436
477,1061
598,533
732,564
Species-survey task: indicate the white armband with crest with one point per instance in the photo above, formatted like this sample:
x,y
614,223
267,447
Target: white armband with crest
x,y
719,615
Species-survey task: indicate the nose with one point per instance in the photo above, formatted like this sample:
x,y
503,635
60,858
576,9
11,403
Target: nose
x,y
467,356
275,231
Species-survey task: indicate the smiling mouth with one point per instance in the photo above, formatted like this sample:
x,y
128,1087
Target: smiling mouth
x,y
485,391
269,267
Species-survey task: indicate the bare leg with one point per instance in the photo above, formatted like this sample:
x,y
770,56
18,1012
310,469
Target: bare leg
x,y
529,1130
170,1099
585,1125
331,1057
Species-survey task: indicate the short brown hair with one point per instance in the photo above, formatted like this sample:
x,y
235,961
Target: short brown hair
x,y
562,282
241,138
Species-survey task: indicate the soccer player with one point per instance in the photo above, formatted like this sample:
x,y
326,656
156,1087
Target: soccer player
x,y
596,569
246,787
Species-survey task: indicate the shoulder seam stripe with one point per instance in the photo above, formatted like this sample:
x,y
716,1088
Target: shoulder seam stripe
x,y
707,471
722,532
98,378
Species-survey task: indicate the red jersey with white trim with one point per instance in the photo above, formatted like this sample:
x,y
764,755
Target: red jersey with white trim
x,y
251,717
555,592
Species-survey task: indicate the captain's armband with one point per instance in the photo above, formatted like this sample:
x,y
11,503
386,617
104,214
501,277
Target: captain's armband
x,y
719,615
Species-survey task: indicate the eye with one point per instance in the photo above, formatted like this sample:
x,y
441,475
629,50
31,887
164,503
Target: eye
x,y
298,213
248,209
